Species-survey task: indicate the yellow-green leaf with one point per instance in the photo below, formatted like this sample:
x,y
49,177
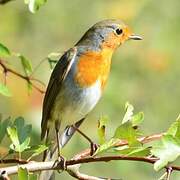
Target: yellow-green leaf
x,y
101,129
127,132
26,63
19,134
174,129
37,150
12,132
34,5
4,51
167,150
129,112
137,118
4,90
106,146
22,174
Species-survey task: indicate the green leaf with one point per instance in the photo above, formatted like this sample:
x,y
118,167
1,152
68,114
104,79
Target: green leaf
x,y
137,119
12,132
4,90
22,174
38,149
19,135
140,151
129,112
4,51
26,64
24,131
101,129
34,5
106,146
3,127
25,144
167,150
174,129
127,132
33,176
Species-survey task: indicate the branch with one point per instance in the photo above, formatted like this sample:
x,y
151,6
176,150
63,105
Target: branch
x,y
86,152
28,79
73,165
12,161
52,165
74,172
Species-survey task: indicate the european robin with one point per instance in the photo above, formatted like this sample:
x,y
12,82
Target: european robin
x,y
78,80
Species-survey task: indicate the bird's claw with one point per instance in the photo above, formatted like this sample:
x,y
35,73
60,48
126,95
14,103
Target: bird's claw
x,y
94,147
60,163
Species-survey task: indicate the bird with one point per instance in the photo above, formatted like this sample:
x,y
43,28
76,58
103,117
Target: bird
x,y
78,81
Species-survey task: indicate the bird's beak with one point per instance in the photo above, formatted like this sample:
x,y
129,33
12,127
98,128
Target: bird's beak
x,y
135,37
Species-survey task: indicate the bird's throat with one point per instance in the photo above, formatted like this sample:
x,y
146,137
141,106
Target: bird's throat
x,y
93,66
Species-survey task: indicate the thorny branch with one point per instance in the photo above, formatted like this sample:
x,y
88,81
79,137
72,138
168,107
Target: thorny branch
x,y
83,157
28,79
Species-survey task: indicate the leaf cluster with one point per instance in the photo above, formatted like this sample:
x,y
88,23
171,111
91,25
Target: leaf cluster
x,y
167,150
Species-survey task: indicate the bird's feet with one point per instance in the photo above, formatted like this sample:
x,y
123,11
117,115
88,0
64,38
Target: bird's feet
x,y
94,147
60,163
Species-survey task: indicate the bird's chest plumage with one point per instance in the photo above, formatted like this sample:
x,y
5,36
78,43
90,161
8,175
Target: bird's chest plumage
x,y
92,67
82,88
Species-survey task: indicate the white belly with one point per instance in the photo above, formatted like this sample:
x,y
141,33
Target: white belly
x,y
74,103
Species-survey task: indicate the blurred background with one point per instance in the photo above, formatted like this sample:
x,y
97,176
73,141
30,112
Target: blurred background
x,y
145,73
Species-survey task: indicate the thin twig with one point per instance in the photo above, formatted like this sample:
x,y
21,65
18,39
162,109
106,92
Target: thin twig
x,y
36,68
10,161
74,172
28,79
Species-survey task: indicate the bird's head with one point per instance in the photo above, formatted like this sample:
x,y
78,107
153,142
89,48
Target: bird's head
x,y
107,34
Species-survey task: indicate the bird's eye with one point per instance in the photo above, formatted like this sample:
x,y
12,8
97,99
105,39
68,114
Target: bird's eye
x,y
119,31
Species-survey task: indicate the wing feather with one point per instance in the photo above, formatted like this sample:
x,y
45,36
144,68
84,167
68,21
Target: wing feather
x,y
57,77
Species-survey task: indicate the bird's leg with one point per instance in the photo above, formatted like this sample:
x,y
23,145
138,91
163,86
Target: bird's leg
x,y
92,144
58,145
61,160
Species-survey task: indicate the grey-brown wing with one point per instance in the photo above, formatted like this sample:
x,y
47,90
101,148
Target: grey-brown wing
x,y
58,75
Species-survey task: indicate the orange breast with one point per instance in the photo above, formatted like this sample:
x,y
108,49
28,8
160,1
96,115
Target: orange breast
x,y
93,66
